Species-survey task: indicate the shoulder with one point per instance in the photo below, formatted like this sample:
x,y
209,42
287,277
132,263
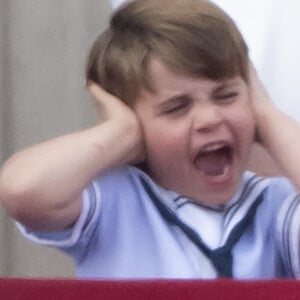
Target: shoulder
x,y
121,183
125,177
280,188
276,189
277,185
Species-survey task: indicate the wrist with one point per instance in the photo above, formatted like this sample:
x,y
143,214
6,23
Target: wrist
x,y
117,143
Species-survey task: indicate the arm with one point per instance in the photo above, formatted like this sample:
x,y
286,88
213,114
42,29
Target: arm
x,y
41,186
277,132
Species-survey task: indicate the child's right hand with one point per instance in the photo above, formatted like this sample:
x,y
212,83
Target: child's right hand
x,y
112,109
41,186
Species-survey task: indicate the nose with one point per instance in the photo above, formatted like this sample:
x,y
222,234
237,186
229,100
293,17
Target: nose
x,y
207,117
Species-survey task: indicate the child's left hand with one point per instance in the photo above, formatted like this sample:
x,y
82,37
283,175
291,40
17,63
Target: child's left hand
x,y
278,133
262,104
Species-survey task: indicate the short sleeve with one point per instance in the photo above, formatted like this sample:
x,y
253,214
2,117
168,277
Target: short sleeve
x,y
69,240
288,233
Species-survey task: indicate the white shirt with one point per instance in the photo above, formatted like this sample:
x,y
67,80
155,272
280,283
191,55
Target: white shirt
x,y
130,227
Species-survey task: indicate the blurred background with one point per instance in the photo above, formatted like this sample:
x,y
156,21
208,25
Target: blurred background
x,y
43,47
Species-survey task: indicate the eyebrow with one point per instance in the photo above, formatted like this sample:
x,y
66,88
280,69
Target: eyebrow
x,y
173,99
226,84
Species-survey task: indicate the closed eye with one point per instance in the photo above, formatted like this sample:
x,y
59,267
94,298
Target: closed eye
x,y
228,91
176,108
230,96
176,105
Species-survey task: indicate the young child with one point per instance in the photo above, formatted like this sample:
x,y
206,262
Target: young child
x,y
159,188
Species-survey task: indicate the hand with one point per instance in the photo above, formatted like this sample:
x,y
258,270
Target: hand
x,y
277,132
260,98
262,104
114,110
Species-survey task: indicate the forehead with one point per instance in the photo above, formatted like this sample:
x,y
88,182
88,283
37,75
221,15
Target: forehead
x,y
160,75
166,82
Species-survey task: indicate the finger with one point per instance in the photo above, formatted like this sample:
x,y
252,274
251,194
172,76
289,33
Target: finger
x,y
252,71
107,104
98,92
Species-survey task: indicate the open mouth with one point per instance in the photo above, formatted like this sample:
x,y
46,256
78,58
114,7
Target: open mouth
x,y
214,159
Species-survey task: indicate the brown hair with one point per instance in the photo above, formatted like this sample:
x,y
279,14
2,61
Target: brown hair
x,y
191,36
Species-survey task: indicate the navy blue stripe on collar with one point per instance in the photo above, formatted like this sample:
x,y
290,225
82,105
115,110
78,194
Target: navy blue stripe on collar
x,y
221,257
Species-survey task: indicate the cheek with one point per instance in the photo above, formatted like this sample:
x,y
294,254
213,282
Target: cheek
x,y
163,141
160,139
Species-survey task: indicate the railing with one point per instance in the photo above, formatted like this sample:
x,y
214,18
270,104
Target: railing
x,y
46,289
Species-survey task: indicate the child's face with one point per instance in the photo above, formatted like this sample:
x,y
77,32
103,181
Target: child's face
x,y
198,133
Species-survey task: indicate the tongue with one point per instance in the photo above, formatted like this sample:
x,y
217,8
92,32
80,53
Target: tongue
x,y
212,163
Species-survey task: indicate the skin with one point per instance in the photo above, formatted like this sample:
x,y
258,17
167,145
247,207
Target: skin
x,y
277,131
195,113
44,194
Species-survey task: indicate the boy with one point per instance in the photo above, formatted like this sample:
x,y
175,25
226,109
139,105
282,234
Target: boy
x,y
159,188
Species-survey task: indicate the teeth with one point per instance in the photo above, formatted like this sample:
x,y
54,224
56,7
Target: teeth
x,y
214,147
